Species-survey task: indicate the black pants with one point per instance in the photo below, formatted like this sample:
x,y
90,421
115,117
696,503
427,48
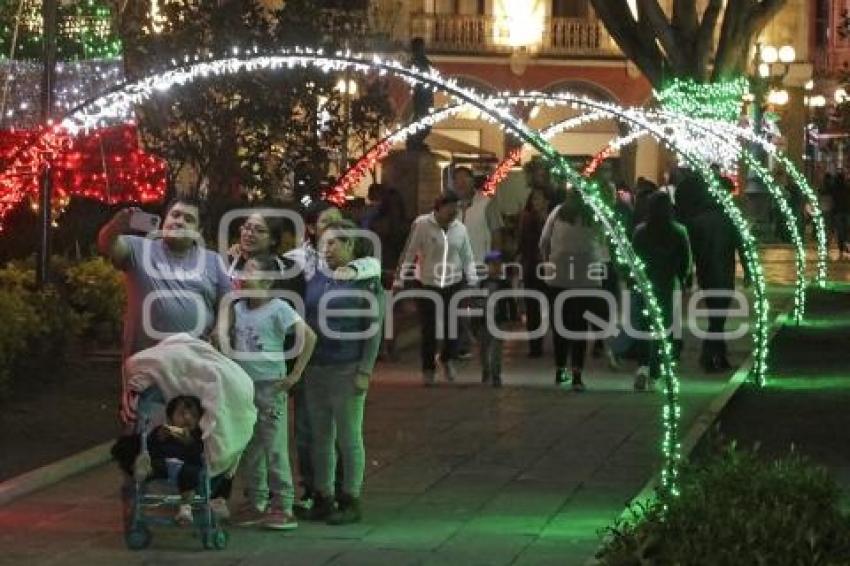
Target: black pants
x,y
649,350
303,439
533,310
715,346
428,322
572,315
127,448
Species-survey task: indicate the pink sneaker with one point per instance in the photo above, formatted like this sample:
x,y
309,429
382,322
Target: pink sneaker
x,y
280,521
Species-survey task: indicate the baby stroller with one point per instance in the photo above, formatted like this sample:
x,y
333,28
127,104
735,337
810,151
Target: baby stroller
x,y
140,497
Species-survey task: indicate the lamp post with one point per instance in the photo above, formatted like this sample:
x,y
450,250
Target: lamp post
x,y
50,13
771,66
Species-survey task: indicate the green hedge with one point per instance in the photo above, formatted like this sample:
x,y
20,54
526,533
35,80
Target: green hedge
x,y
40,327
738,508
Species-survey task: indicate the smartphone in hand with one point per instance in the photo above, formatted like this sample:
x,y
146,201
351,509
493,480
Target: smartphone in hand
x,y
141,221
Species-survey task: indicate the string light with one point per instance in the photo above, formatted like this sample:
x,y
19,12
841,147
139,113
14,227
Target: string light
x,y
720,100
358,171
800,180
84,31
92,114
75,82
107,165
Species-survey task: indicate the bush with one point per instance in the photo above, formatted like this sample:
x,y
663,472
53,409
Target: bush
x,y
40,327
96,290
19,321
738,509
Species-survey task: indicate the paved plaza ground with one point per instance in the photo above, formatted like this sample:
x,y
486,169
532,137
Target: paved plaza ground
x,y
457,474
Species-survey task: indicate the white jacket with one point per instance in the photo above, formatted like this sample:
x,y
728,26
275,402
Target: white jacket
x,y
183,365
441,257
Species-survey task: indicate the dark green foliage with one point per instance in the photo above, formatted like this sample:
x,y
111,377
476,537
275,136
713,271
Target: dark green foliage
x,y
738,508
41,329
246,134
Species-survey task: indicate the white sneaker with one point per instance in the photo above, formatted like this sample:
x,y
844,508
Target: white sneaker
x,y
642,378
184,515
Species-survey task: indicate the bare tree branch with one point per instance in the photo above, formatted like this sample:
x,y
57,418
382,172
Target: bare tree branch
x,y
683,43
685,19
742,22
651,13
705,37
630,37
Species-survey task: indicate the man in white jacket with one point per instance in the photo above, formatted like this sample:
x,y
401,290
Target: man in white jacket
x,y
438,255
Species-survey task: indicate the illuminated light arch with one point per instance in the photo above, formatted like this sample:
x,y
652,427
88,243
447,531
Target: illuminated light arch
x,y
356,172
740,134
637,118
765,176
91,113
610,148
775,193
800,180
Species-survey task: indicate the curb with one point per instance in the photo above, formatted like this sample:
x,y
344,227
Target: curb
x,y
701,424
45,476
40,478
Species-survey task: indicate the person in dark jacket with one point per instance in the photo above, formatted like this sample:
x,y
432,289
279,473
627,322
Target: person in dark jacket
x,y
644,188
537,209
174,451
663,246
841,213
714,242
688,195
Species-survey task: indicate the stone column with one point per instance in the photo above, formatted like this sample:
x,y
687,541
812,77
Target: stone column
x,y
416,175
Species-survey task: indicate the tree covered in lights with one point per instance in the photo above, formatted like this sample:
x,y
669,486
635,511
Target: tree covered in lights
x,y
680,43
247,134
84,30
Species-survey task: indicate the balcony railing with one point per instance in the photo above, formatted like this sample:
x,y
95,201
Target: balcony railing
x,y
476,35
466,34
570,36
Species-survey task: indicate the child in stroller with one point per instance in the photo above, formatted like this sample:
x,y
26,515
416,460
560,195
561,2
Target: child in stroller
x,y
174,452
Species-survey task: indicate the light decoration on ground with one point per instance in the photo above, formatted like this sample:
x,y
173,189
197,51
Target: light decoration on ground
x,y
791,224
117,103
698,131
107,165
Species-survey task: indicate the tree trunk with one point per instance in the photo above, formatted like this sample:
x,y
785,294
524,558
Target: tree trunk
x,y
681,44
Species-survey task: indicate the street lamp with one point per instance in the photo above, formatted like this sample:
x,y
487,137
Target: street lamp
x,y
771,64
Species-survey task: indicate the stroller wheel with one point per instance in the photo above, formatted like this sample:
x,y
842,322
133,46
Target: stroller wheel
x,y
138,538
215,539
